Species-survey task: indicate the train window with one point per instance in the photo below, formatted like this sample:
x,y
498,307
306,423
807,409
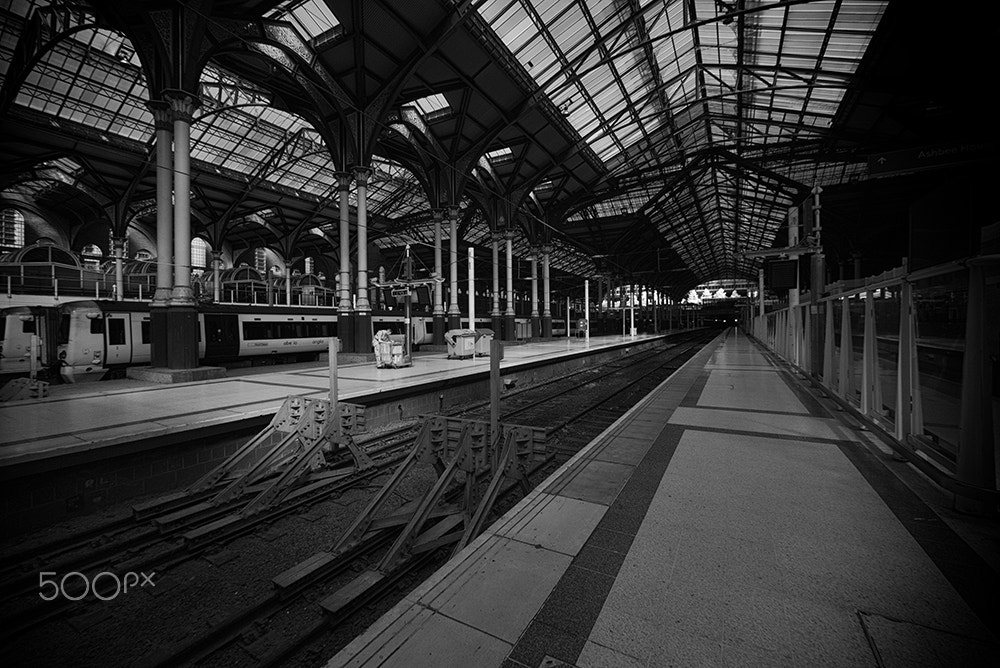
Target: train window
x,y
287,330
97,326
116,331
251,330
3,327
144,331
28,326
256,330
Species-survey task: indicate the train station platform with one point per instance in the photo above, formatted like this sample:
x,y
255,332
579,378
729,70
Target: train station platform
x,y
729,519
79,429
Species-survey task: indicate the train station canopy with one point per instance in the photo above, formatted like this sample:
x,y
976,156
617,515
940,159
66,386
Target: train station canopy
x,y
656,139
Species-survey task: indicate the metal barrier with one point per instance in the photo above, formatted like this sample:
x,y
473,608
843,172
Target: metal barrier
x,y
908,352
467,455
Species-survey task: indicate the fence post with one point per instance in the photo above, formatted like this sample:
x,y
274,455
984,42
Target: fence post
x,y
975,466
846,350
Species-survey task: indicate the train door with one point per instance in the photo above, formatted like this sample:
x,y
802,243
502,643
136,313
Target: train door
x,y
140,339
222,336
116,336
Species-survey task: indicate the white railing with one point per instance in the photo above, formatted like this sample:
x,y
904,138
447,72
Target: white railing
x,y
908,352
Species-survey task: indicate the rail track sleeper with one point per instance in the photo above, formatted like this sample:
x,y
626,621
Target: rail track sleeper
x,y
168,521
293,577
206,531
355,593
405,512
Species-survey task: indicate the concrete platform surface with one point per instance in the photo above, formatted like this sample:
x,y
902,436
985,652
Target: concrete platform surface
x,y
727,520
91,416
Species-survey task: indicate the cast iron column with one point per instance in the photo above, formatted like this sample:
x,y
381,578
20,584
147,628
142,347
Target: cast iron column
x,y
495,316
440,321
158,337
345,314
508,319
536,321
362,308
182,316
454,312
547,295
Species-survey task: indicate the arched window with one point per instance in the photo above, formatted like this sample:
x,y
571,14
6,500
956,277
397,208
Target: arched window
x,y
92,255
11,228
199,253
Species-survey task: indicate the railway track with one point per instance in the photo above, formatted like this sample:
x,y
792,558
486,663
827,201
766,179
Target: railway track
x,y
153,543
594,396
571,409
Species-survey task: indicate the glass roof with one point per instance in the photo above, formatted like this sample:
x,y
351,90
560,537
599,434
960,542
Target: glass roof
x,y
94,79
648,84
622,72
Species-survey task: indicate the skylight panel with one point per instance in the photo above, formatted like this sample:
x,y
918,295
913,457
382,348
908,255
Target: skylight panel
x,y
433,107
500,156
312,18
537,56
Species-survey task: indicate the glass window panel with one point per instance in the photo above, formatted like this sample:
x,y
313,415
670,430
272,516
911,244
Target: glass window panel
x,y
516,27
940,306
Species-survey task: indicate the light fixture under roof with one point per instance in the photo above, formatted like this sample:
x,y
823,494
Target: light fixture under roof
x,y
500,155
433,107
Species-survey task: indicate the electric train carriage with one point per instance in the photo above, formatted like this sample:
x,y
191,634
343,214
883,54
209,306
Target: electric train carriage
x,y
100,339
18,325
91,340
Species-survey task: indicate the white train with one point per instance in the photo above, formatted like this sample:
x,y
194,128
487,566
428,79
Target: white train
x,y
90,340
93,339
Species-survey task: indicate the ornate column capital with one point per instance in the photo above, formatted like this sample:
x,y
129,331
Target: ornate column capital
x,y
343,180
163,118
362,174
454,211
182,104
437,214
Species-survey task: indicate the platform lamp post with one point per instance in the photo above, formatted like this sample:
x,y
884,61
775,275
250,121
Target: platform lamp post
x,y
631,295
569,318
586,309
621,302
761,332
407,304
472,289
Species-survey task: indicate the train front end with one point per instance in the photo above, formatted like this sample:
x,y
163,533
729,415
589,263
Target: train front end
x,y
81,342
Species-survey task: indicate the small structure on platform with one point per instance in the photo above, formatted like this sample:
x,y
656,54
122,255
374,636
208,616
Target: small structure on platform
x,y
461,343
390,350
484,337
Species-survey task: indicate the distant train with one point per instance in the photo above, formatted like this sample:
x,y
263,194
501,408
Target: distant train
x,y
90,340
